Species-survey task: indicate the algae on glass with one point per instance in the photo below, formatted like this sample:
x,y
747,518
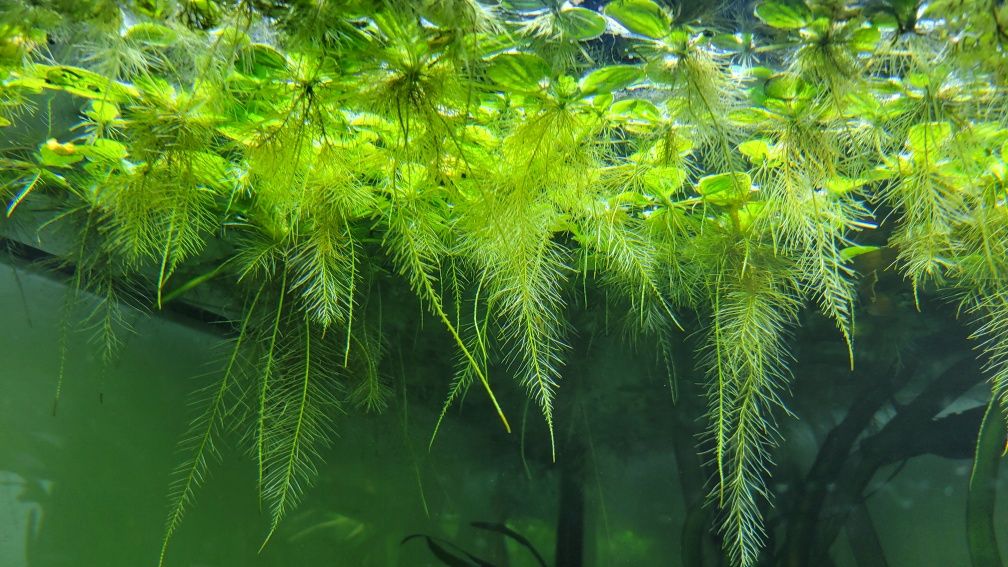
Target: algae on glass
x,y
696,176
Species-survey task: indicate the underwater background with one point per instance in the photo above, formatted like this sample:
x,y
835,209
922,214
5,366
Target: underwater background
x,y
86,486
503,284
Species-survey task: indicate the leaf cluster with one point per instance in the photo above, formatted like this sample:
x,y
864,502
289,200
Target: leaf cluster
x,y
300,153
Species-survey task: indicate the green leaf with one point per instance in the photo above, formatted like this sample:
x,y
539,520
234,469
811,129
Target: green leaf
x,y
102,112
609,79
524,5
917,80
636,109
233,38
664,180
818,30
82,83
642,17
1004,152
565,87
749,213
890,169
784,15
602,101
760,72
151,34
997,171
155,88
103,149
926,140
751,116
676,144
839,185
730,42
886,21
55,154
522,72
262,61
759,151
857,105
866,39
632,199
851,252
788,86
581,23
725,189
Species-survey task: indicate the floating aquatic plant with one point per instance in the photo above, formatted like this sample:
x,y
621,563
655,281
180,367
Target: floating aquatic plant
x,y
495,157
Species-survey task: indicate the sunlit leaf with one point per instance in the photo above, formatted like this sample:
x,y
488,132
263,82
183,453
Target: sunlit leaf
x,y
103,149
725,189
788,86
748,214
839,185
784,15
759,151
866,39
581,23
927,140
523,72
603,101
262,61
611,78
664,180
82,83
102,112
643,17
636,109
730,42
152,34
54,154
852,252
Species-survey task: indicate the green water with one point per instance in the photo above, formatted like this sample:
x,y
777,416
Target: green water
x,y
87,486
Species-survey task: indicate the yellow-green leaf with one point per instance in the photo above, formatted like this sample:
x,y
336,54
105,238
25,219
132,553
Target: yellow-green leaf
x,y
851,252
642,17
83,83
759,151
926,140
55,154
784,15
636,109
261,60
602,101
866,39
151,34
102,112
788,86
523,72
748,214
725,189
581,23
611,78
103,149
664,180
729,42
839,185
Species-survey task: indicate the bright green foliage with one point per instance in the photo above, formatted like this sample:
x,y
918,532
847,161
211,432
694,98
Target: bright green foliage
x,y
499,159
